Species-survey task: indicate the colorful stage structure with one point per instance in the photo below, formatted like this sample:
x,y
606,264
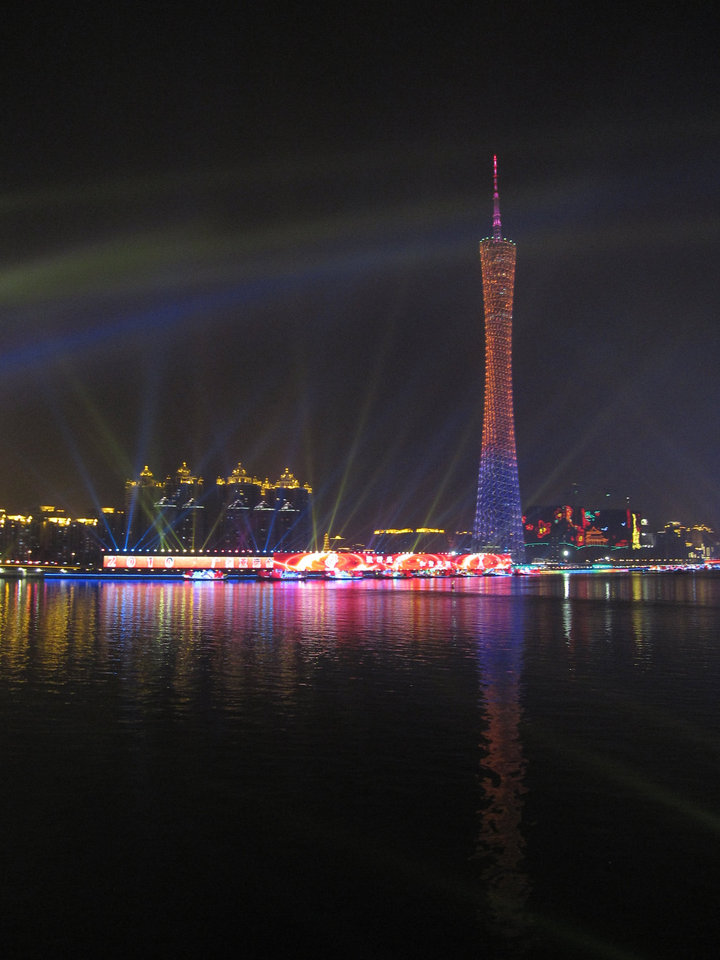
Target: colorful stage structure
x,y
498,515
327,565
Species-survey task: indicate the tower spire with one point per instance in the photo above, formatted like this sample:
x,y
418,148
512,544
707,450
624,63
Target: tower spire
x,y
497,226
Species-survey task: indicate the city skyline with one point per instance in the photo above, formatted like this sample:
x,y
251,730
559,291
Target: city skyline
x,y
259,242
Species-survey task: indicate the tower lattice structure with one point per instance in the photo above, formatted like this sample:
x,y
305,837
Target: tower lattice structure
x,y
498,514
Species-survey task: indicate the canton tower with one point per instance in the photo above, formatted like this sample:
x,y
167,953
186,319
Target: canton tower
x,y
498,515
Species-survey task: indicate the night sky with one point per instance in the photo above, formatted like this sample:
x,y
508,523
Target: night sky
x,y
250,233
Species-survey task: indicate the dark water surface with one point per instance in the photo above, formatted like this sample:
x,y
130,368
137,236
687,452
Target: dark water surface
x,y
510,767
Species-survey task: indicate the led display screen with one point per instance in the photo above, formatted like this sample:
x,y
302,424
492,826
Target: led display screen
x,y
133,561
328,564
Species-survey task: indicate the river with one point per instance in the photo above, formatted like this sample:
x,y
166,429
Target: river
x,y
491,767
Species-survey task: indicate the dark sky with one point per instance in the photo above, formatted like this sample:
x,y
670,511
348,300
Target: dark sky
x,y
250,233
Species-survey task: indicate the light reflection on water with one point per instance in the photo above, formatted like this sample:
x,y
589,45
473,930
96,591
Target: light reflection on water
x,y
441,767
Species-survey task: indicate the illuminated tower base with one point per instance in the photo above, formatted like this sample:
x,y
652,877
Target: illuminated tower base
x,y
498,515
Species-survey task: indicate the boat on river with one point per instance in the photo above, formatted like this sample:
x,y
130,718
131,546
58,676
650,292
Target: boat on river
x,y
205,575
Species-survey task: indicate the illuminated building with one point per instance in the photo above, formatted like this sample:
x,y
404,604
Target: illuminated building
x,y
409,539
179,513
16,537
560,532
701,541
49,537
65,540
111,528
236,497
164,515
678,542
140,497
165,519
282,520
498,514
240,514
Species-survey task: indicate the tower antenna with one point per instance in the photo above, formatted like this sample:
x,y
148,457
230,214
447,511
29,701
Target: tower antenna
x,y
497,226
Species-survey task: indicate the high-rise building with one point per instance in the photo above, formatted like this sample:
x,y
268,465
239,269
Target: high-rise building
x,y
140,497
282,520
164,515
236,498
239,514
179,512
498,515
